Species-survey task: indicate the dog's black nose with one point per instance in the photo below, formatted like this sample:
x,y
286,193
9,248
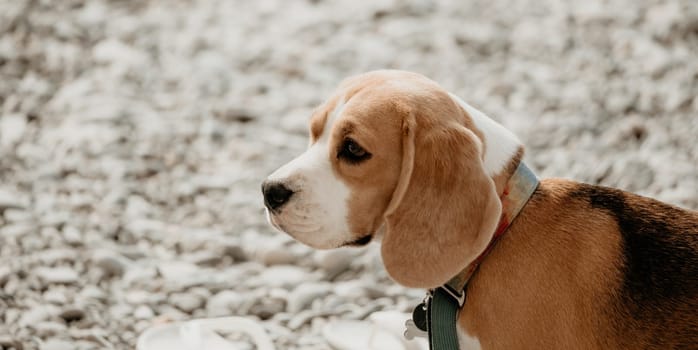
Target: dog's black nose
x,y
275,194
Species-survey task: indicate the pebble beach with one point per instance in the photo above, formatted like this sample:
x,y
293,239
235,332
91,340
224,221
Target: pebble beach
x,y
134,136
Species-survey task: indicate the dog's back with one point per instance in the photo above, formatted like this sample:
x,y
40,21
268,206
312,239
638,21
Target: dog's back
x,y
657,303
589,267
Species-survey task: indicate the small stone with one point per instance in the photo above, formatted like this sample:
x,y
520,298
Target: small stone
x,y
37,314
224,303
12,129
304,294
268,307
304,317
139,274
169,313
57,275
176,270
17,215
284,276
49,328
9,342
186,302
203,258
120,311
53,256
118,53
110,262
137,297
30,242
72,236
335,261
56,296
5,274
296,121
233,250
17,229
71,314
88,334
351,289
11,200
268,250
143,312
55,344
92,293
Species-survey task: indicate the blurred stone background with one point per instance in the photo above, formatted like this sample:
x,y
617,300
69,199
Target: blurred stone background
x,y
134,136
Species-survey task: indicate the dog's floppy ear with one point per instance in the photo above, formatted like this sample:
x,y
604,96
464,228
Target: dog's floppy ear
x,y
444,209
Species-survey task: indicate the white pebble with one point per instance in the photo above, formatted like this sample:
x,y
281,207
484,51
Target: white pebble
x,y
57,275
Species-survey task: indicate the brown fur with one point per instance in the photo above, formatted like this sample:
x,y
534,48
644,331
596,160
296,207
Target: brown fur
x,y
582,267
556,280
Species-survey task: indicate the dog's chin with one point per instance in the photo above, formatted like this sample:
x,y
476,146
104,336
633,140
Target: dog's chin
x,y
327,244
310,237
359,242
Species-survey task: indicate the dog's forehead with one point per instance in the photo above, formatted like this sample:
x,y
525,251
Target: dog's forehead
x,y
364,115
372,99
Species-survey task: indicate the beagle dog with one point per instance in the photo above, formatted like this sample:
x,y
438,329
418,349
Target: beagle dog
x,y
393,157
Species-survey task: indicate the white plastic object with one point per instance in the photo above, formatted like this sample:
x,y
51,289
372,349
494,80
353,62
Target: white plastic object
x,y
382,330
200,334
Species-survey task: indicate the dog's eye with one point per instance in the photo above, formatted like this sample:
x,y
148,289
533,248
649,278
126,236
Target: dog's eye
x,y
352,152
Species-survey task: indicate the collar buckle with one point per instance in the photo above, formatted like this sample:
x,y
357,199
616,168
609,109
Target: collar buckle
x,y
458,296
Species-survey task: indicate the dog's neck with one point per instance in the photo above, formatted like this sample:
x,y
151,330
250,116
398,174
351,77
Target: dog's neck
x,y
517,189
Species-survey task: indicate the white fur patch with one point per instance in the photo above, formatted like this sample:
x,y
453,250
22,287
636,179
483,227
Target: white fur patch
x,y
317,212
467,342
500,144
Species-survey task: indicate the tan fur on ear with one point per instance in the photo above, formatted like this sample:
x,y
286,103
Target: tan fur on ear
x,y
444,209
408,130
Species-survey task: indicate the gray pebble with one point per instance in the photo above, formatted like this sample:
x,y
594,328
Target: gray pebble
x,y
110,262
37,314
55,344
57,275
47,329
284,276
268,250
10,199
177,270
268,307
17,229
143,312
186,302
8,341
224,303
12,129
335,261
16,215
137,297
56,296
5,273
72,235
304,294
72,313
92,293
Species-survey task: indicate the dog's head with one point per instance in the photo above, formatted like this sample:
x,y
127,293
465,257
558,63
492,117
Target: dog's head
x,y
392,153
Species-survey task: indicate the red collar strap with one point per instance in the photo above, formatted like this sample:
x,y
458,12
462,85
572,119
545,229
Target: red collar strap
x,y
518,190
